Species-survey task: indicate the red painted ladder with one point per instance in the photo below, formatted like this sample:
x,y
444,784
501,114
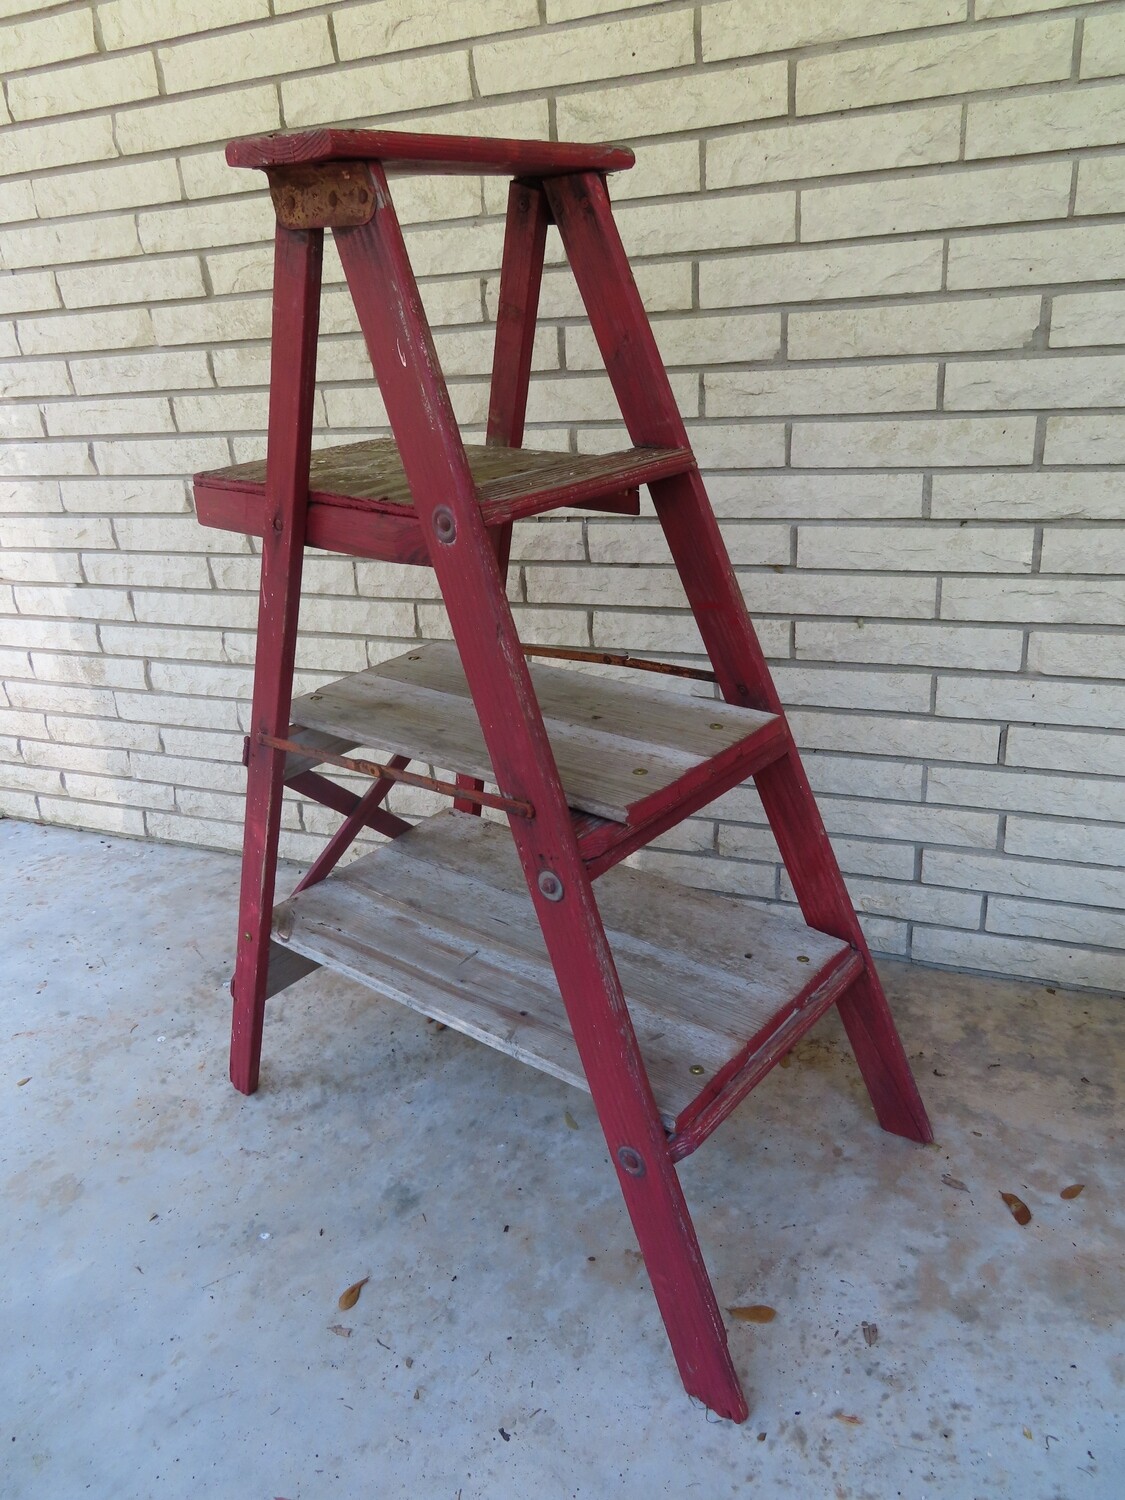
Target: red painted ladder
x,y
667,1003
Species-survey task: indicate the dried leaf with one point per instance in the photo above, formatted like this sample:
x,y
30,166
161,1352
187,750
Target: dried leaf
x,y
22,1081
870,1333
341,1328
844,1416
954,1182
571,1122
755,1312
1019,1209
349,1298
1027,1432
1073,1190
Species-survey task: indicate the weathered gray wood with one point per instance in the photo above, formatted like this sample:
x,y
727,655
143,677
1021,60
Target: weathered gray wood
x,y
615,743
286,966
440,920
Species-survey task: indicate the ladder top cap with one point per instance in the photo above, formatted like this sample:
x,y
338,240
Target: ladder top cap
x,y
445,154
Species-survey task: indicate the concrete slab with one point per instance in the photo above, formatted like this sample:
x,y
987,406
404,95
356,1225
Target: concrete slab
x,y
173,1252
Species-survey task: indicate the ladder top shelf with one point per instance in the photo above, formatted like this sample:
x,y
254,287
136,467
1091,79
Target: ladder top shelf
x,y
402,152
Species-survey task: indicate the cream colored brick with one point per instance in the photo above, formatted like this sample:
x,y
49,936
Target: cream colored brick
x,y
913,903
44,458
687,101
857,496
926,548
378,89
34,148
98,189
737,445
1059,120
117,569
663,288
16,202
1076,602
922,825
1047,880
113,496
29,496
909,646
662,168
1037,700
22,422
694,340
895,734
815,274
79,418
473,247
198,226
1032,257
220,320
923,443
1103,45
1086,440
156,371
64,243
1048,919
830,687
140,281
959,62
1064,750
945,199
769,392
70,331
587,397
392,25
1041,381
825,148
573,10
1043,839
548,59
914,328
748,543
708,223
1101,185
28,292
9,348
222,411
259,52
988,9
37,42
133,23
174,456
34,377
56,531
97,671
1027,497
90,85
1084,549
247,269
181,122
1074,653
745,28
108,819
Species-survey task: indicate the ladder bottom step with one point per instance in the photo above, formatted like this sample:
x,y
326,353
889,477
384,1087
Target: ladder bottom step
x,y
440,919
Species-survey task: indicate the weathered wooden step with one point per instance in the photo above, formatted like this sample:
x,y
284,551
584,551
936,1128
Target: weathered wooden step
x,y
624,752
440,919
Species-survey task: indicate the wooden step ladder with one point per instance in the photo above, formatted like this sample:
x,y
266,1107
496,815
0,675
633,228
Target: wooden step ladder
x,y
667,1003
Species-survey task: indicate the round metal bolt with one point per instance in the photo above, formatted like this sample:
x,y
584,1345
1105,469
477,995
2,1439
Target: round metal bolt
x,y
802,958
640,771
696,1068
716,725
550,885
630,1161
444,524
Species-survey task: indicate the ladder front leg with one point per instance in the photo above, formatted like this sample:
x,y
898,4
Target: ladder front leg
x,y
296,307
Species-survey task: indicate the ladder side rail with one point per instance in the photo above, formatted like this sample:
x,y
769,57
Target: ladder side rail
x,y
410,380
298,256
582,211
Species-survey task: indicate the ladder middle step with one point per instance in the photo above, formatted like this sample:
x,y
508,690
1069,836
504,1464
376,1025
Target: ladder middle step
x,y
624,753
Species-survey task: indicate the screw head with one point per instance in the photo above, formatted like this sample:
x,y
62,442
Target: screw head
x,y
550,885
444,524
630,1161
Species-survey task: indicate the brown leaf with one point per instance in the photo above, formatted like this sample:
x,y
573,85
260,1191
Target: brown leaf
x,y
1019,1209
22,1081
571,1122
349,1298
844,1416
341,1328
954,1182
870,1333
1073,1190
755,1312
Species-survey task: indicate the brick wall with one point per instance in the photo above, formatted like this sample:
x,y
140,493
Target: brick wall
x,y
882,243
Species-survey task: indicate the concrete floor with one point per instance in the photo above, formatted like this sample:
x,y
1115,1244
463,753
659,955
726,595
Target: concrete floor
x,y
173,1252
